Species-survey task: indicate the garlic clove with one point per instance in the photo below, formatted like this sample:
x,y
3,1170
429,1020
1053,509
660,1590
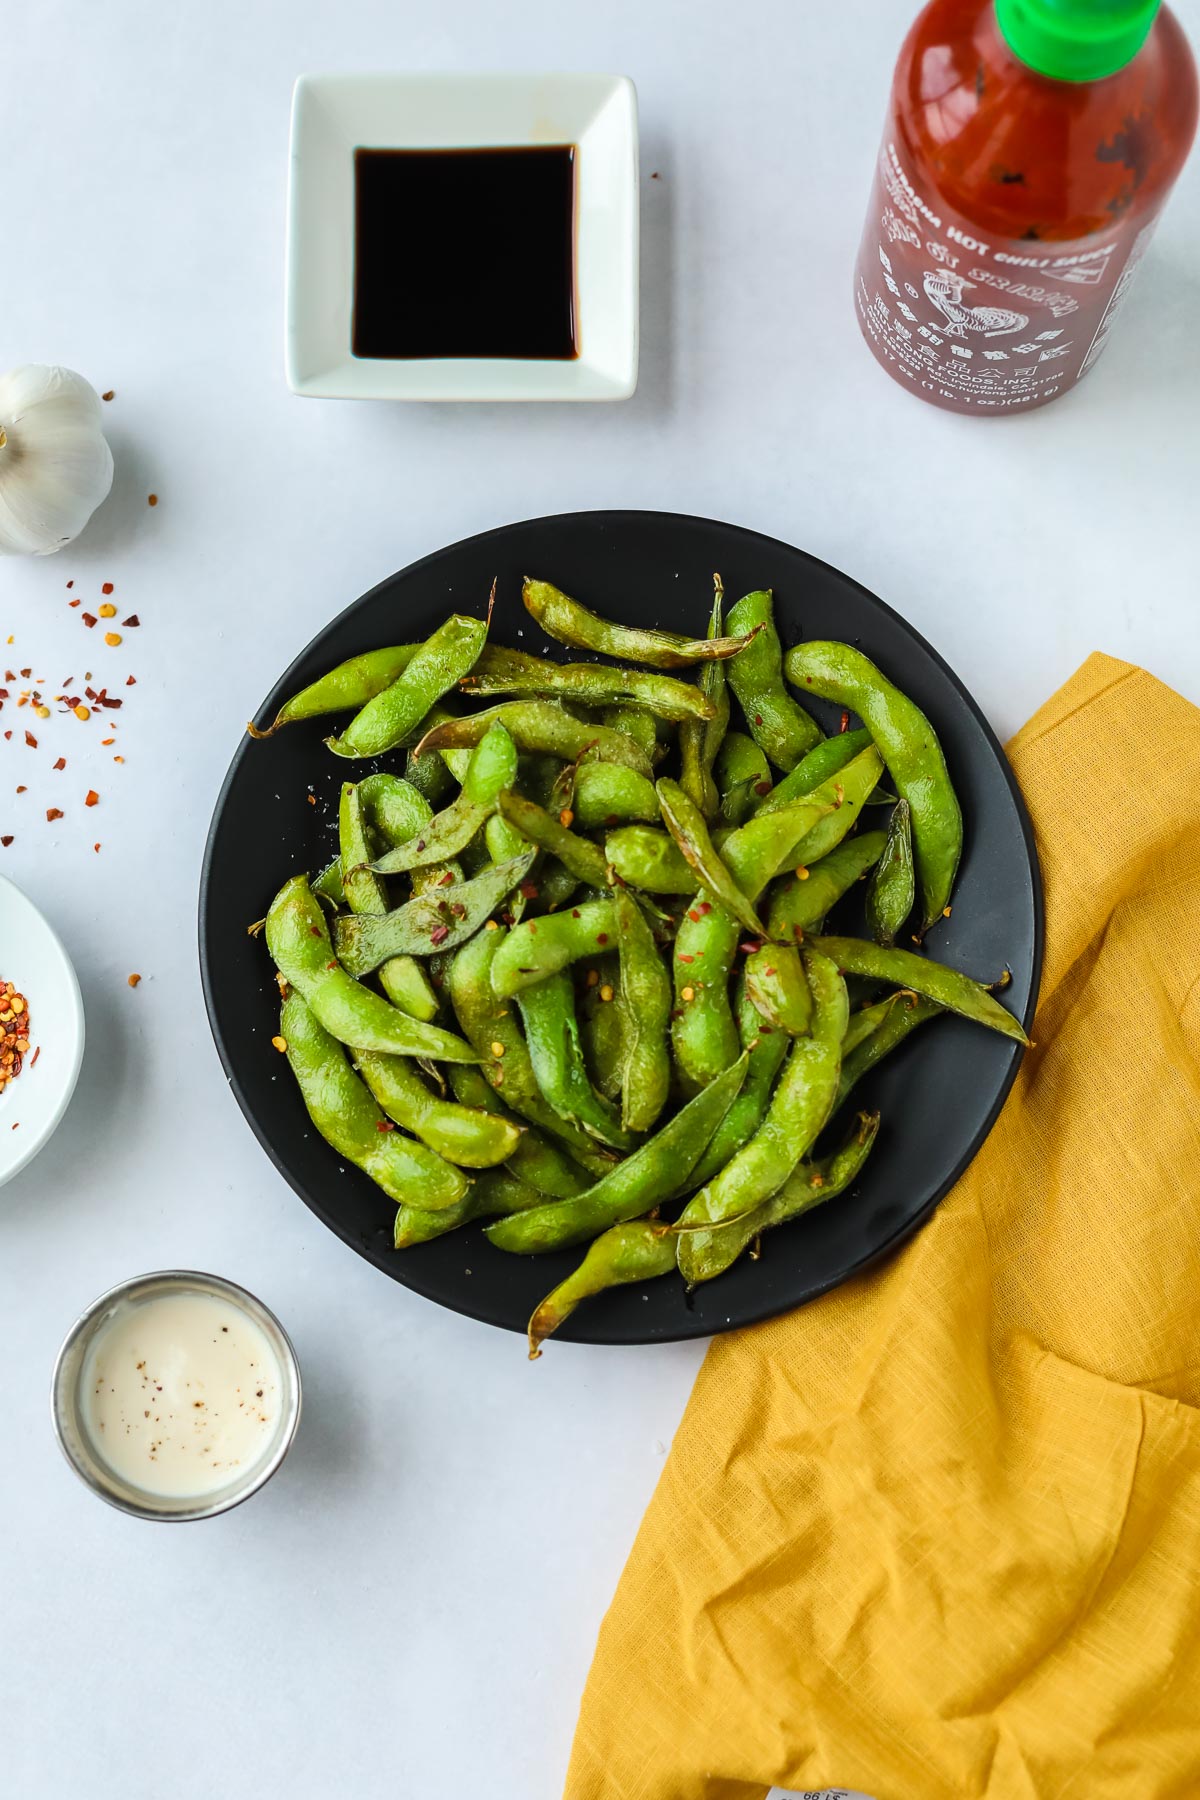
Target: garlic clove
x,y
55,465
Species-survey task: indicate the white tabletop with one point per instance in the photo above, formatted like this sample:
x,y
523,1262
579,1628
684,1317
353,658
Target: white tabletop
x,y
410,1608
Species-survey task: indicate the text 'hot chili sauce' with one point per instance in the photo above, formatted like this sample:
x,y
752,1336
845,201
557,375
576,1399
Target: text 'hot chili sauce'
x,y
1029,148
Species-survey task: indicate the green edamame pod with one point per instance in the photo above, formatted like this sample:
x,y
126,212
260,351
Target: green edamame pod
x,y
490,1196
802,1102
540,726
499,671
535,1161
436,667
699,740
635,725
606,795
867,1020
649,859
602,1026
552,1038
703,1254
800,902
686,824
565,619
328,884
582,858
402,978
765,1050
844,795
393,808
346,1116
777,723
638,1251
910,748
343,689
644,1180
463,1135
901,1015
556,884
743,777
891,891
646,1003
538,948
490,1026
437,921
298,939
951,989
820,765
492,764
778,988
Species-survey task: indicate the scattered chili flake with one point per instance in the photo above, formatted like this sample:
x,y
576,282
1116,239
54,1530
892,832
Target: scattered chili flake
x,y
96,848
528,890
26,673
107,396
593,976
92,798
491,925
89,619
458,909
70,584
22,790
687,993
107,611
497,1048
446,880
749,946
612,818
694,914
107,588
384,1125
133,980
112,639
602,937
76,603
52,813
119,759
35,1056
105,742
439,934
762,787
945,912
31,740
566,816
132,622
131,680
82,712
6,841
844,723
801,872
280,1044
14,1033
606,992
151,499
684,957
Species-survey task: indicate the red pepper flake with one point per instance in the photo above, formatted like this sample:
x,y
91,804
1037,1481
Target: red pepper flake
x,y
92,799
447,879
61,763
31,740
844,724
102,699
107,396
458,909
132,622
574,912
133,980
6,841
685,958
22,790
602,937
439,934
384,1125
314,931
151,499
25,674
762,787
105,742
52,813
70,584
96,848
35,1056
312,799
694,914
749,947
330,965
758,718
89,619
76,603
705,907
528,889
131,681
107,588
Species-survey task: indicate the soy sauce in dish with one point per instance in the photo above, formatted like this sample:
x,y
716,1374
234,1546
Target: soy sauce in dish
x,y
465,253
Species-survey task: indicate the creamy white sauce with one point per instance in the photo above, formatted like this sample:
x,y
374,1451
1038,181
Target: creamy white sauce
x,y
180,1394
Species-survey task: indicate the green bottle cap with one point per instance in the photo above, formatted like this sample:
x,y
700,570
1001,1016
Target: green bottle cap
x,y
1076,40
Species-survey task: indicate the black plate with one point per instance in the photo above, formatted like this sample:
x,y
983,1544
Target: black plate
x,y
939,1095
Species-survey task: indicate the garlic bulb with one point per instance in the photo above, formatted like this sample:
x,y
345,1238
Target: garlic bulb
x,y
55,467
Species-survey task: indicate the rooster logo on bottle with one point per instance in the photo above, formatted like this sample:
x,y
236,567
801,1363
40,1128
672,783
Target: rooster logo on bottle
x,y
946,291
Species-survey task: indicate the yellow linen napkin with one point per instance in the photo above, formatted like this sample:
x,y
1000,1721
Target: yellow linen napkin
x,y
937,1535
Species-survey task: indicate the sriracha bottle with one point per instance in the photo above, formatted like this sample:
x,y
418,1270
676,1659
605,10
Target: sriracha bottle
x,y
1029,148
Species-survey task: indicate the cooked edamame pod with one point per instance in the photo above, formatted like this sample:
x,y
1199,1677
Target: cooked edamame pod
x,y
743,777
602,1026
644,1180
565,619
552,1038
402,978
902,1015
949,987
346,1116
583,859
649,859
490,1196
765,1050
686,824
343,689
606,795
703,1254
822,762
538,948
699,740
542,727
778,988
437,921
298,940
802,1101
490,1026
646,1004
845,795
777,723
637,1251
891,891
535,1161
910,748
462,1134
386,720
801,901
499,671
328,884
636,725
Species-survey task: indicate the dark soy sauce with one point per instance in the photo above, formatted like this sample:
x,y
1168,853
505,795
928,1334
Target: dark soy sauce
x,y
465,253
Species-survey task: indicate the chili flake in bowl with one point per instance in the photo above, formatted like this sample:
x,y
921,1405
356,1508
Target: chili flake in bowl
x,y
41,1031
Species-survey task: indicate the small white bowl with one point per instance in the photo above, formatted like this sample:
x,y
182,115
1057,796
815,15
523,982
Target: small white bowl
x,y
32,958
333,115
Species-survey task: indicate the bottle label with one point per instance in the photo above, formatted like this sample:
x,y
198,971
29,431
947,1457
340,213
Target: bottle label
x,y
992,325
817,1794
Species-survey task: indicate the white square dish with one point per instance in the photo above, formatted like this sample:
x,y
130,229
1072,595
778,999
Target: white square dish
x,y
335,115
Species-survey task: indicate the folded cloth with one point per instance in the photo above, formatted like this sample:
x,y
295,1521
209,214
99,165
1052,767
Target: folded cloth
x,y
937,1535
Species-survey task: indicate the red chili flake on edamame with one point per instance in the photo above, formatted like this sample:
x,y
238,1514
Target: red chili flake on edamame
x,y
439,934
